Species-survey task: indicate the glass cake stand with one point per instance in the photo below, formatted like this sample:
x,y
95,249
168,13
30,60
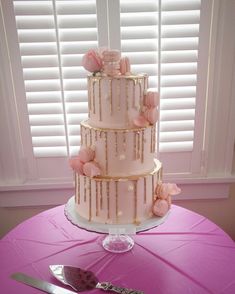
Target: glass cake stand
x,y
117,238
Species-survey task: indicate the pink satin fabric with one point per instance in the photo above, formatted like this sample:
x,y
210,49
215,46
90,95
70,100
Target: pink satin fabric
x,y
186,254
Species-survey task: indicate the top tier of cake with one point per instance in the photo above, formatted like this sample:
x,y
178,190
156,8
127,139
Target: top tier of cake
x,y
114,102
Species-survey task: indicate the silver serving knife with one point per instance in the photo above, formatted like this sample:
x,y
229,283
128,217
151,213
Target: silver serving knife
x,y
82,280
39,284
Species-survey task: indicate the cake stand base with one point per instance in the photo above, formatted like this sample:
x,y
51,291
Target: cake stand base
x,y
117,239
118,243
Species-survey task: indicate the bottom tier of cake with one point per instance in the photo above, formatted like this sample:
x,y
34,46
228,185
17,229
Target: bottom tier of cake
x,y
126,200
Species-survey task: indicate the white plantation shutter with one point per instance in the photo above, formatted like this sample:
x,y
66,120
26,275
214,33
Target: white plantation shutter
x,y
139,36
162,36
179,55
53,36
177,25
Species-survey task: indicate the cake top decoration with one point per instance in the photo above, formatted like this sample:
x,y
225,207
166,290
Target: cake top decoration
x,y
106,62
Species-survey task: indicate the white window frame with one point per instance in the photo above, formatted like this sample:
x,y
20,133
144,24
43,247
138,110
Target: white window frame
x,y
19,185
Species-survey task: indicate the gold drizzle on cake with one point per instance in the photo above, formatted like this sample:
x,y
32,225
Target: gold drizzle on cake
x,y
93,94
111,95
116,144
96,199
85,188
116,199
77,187
145,191
108,200
90,214
101,195
142,146
100,106
135,202
153,186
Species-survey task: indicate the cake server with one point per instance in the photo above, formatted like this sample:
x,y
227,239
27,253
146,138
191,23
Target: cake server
x,y
39,284
82,280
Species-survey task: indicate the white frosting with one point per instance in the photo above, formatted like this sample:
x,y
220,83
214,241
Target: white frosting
x,y
115,102
121,205
129,152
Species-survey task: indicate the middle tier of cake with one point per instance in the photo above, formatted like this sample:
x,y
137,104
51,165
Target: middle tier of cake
x,y
121,152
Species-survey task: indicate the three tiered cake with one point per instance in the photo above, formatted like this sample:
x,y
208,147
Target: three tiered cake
x,y
118,180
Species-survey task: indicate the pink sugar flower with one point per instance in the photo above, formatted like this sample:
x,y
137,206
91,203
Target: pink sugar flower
x,y
91,169
140,121
160,207
151,114
76,165
151,99
92,61
86,154
168,189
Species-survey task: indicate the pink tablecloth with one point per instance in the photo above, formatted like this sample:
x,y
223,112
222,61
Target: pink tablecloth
x,y
186,254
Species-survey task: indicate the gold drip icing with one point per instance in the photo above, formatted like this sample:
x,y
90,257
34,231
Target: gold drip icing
x,y
84,192
135,146
96,135
127,130
145,83
142,146
154,137
129,178
93,94
127,96
106,153
108,199
101,195
140,88
135,202
77,188
116,144
81,134
153,187
133,96
138,153
96,199
100,107
90,200
116,198
111,95
89,97
121,77
118,88
124,141
90,135
145,192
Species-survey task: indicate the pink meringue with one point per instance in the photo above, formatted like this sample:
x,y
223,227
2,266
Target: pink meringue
x,y
140,121
151,114
86,154
125,65
151,99
92,61
169,189
76,165
91,169
160,207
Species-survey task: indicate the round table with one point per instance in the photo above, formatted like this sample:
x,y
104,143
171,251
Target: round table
x,y
186,254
